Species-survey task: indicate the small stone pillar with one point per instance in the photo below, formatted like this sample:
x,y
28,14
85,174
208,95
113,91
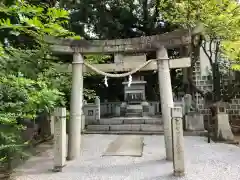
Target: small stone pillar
x,y
165,88
97,102
76,107
177,141
123,109
52,124
118,111
60,139
145,106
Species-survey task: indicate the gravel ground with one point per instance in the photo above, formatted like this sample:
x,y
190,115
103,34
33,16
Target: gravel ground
x,y
203,162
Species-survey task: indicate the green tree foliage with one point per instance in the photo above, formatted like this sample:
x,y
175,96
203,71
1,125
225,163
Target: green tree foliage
x,y
220,22
24,56
115,19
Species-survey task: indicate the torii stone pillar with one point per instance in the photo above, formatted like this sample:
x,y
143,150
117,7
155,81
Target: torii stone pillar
x,y
74,136
165,88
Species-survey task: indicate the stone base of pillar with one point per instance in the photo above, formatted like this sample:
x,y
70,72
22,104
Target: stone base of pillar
x,y
178,173
223,130
58,168
177,142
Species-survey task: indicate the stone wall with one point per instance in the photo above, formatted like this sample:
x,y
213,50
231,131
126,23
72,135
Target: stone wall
x,y
204,82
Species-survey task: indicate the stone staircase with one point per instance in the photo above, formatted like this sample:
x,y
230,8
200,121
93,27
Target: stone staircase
x,y
134,111
126,125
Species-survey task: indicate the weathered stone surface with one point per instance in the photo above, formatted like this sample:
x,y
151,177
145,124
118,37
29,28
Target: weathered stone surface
x,y
125,127
118,111
133,121
177,141
223,131
153,121
60,139
150,128
128,66
139,44
111,121
194,122
98,127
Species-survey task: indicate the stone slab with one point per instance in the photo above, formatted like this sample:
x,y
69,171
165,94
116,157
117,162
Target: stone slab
x,y
125,127
153,121
111,121
133,121
138,44
149,127
194,133
130,120
194,122
128,145
98,127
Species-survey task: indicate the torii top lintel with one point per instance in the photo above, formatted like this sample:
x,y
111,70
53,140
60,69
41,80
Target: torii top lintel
x,y
140,44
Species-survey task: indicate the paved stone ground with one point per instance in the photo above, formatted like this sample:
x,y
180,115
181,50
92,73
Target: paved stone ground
x,y
203,162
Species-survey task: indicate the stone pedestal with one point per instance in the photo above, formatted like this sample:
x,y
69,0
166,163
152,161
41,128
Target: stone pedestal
x,y
222,127
223,130
177,141
60,139
194,122
117,111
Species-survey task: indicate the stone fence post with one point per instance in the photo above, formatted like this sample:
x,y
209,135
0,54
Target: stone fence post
x,y
84,123
60,139
97,102
177,141
52,124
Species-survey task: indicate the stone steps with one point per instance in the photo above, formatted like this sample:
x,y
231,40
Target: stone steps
x,y
126,127
129,120
131,114
125,132
185,133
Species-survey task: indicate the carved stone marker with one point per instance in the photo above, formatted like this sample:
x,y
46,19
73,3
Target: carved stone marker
x,y
187,103
177,138
60,149
97,102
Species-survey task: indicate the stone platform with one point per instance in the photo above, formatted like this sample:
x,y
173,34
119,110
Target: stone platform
x,y
203,161
126,124
132,125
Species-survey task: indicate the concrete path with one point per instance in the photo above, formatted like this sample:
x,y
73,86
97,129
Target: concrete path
x,y
126,145
203,162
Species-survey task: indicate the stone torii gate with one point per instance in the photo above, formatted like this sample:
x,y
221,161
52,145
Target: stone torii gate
x,y
157,43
